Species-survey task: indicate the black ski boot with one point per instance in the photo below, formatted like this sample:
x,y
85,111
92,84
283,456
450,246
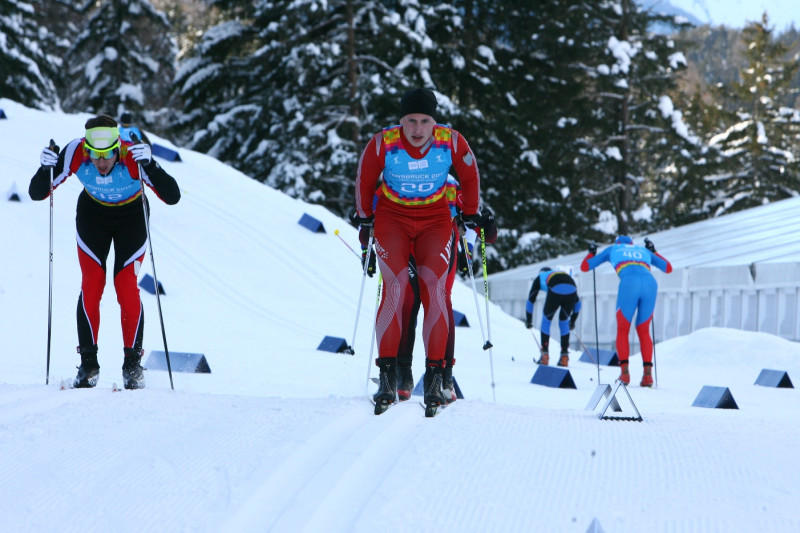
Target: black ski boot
x,y
405,381
448,386
89,370
432,383
132,371
387,384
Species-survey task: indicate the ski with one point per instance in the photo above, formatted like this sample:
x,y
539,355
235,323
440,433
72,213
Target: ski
x,y
68,385
382,406
432,409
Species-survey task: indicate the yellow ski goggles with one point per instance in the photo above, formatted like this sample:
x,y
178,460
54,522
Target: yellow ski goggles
x,y
102,154
101,142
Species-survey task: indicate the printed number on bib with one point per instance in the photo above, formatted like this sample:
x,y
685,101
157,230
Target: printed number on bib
x,y
632,254
417,189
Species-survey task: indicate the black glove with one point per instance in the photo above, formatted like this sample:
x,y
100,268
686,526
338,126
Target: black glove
x,y
471,221
593,248
363,222
487,218
463,265
528,320
572,321
371,265
649,245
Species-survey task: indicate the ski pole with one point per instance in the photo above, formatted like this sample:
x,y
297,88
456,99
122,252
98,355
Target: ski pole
x,y
596,331
50,285
135,140
655,368
336,232
488,322
349,350
539,346
585,348
486,343
653,324
486,291
374,327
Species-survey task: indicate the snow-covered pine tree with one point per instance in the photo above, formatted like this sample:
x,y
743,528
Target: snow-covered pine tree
x,y
637,131
216,117
532,122
680,186
510,72
122,60
26,61
290,92
760,143
328,87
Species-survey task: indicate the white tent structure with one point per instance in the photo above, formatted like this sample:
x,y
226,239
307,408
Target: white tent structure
x,y
740,270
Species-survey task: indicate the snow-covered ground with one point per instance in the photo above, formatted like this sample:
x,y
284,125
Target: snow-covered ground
x,y
280,436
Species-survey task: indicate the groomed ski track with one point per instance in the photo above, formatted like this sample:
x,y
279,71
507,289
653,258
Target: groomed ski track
x,y
203,462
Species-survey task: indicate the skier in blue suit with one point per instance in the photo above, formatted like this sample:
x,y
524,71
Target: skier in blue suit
x,y
126,128
636,294
562,296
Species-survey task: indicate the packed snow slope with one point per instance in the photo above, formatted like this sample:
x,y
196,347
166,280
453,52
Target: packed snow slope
x,y
280,436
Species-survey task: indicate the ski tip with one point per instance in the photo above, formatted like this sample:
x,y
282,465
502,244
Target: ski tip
x,y
433,409
114,387
381,407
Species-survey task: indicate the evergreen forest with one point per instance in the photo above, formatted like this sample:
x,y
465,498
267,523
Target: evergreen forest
x,y
588,118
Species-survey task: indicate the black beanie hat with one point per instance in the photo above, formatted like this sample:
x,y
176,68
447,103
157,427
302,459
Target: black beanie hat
x,y
418,101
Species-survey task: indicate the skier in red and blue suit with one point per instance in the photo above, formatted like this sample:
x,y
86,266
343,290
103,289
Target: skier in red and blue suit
x,y
636,294
110,210
413,218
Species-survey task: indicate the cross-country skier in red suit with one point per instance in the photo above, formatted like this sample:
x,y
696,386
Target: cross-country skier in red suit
x,y
411,305
110,210
412,218
405,379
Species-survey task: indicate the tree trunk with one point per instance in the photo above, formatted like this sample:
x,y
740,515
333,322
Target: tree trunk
x,y
352,70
